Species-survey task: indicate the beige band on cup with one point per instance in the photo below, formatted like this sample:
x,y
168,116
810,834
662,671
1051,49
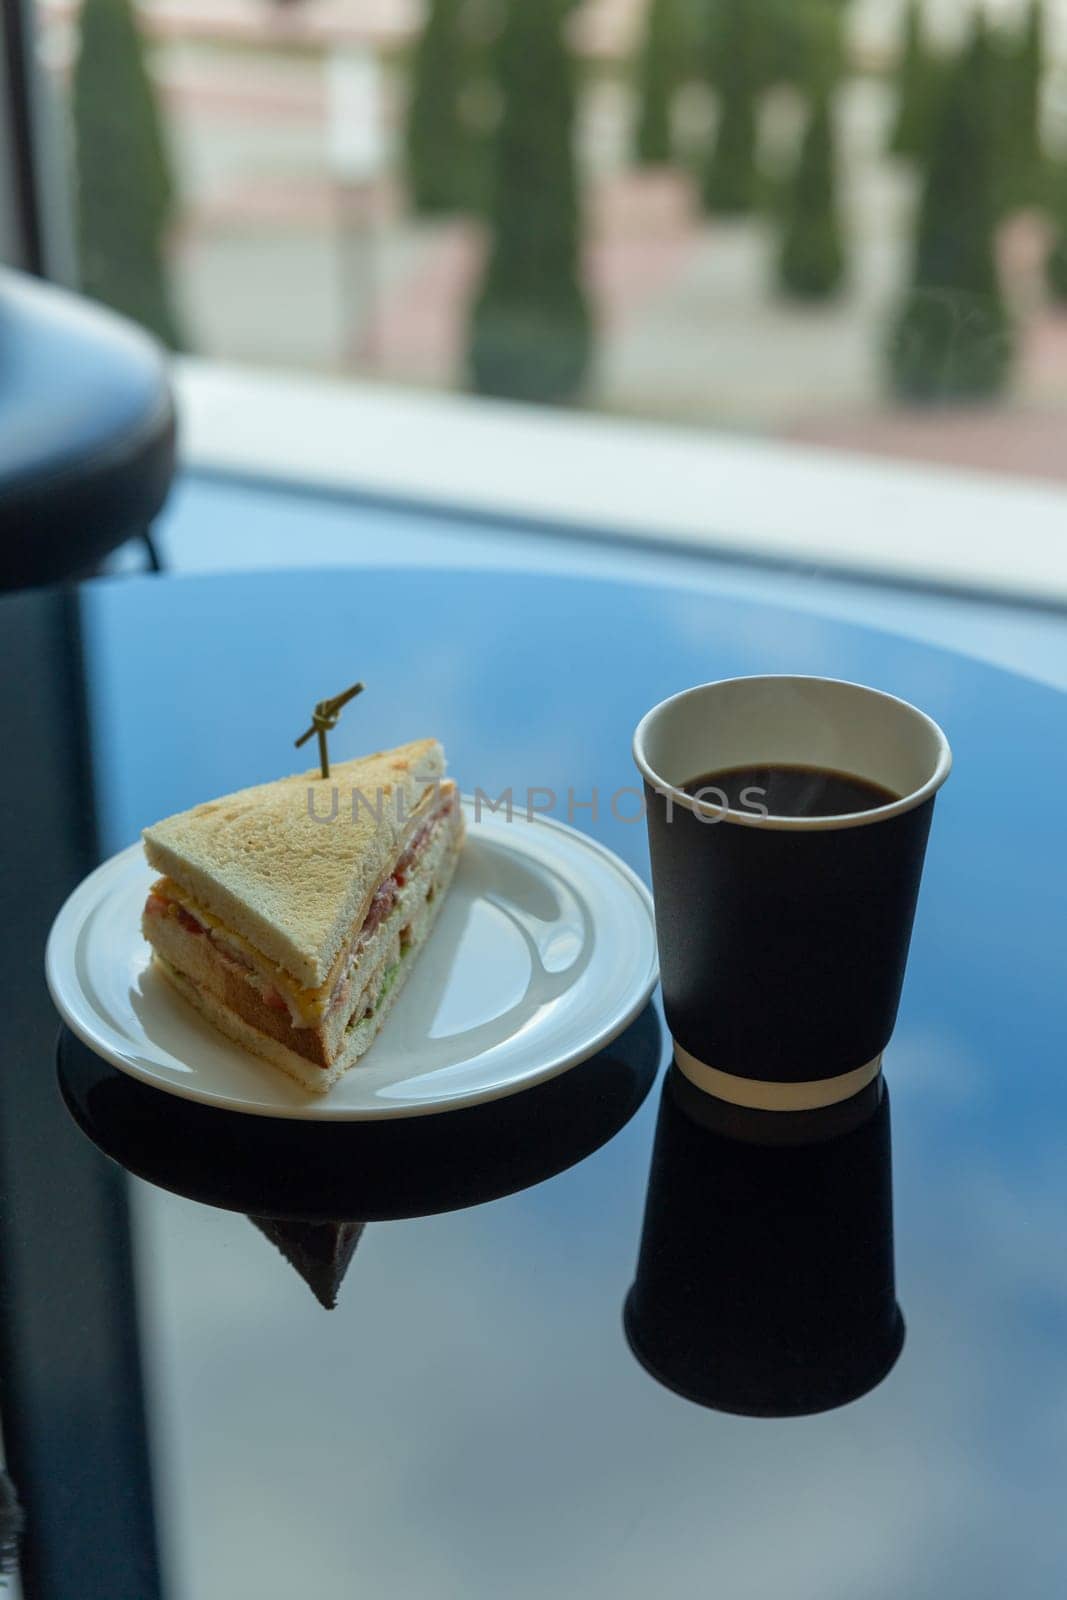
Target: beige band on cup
x,y
758,1095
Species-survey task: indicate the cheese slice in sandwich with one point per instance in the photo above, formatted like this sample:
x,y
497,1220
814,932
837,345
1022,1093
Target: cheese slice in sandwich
x,y
290,914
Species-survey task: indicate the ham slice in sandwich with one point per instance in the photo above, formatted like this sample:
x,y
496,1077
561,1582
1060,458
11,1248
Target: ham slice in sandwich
x,y
290,914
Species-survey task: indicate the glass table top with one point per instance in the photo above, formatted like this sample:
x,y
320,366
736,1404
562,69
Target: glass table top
x,y
182,1414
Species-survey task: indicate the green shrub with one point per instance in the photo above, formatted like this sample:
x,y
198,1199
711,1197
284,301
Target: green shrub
x,y
1056,263
730,180
530,332
1056,268
916,89
1022,141
811,258
124,190
441,151
784,35
952,338
815,34
658,69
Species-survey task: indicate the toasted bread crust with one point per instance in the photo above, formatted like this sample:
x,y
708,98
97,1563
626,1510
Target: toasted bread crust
x,y
198,960
267,862
358,1040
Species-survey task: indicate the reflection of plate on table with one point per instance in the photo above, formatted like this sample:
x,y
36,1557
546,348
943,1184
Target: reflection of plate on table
x,y
544,951
371,1170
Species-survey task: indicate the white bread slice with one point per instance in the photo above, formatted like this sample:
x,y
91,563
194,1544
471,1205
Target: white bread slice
x,y
359,1037
202,962
292,885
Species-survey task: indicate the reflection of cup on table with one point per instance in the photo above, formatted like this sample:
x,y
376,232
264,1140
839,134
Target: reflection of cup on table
x,y
787,824
765,1280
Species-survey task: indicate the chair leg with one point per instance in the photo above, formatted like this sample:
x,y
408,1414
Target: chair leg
x,y
155,560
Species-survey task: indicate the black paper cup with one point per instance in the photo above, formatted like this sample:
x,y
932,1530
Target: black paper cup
x,y
783,940
765,1279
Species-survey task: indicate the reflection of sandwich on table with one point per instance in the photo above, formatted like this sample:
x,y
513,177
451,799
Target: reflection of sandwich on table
x,y
290,914
319,1251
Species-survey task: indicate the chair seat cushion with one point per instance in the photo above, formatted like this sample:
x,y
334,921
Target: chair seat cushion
x,y
87,432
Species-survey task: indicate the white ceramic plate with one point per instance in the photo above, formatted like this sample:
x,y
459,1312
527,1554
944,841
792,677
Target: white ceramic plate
x,y
544,950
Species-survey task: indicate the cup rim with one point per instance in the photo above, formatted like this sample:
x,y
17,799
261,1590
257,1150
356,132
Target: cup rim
x,y
748,819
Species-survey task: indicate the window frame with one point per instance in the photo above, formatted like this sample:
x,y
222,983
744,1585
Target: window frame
x,y
36,216
21,231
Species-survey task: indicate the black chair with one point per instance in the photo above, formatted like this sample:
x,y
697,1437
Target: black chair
x,y
87,433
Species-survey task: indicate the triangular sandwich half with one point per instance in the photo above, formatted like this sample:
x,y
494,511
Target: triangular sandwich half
x,y
290,914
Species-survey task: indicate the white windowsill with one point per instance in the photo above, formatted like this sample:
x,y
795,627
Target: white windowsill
x,y
724,494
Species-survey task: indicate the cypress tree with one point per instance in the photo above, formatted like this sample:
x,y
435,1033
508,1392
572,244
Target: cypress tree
x,y
730,179
811,258
914,88
439,146
791,39
657,74
530,333
1026,181
817,43
1056,264
125,193
952,337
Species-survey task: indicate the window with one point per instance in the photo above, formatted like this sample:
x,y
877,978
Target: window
x,y
840,221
